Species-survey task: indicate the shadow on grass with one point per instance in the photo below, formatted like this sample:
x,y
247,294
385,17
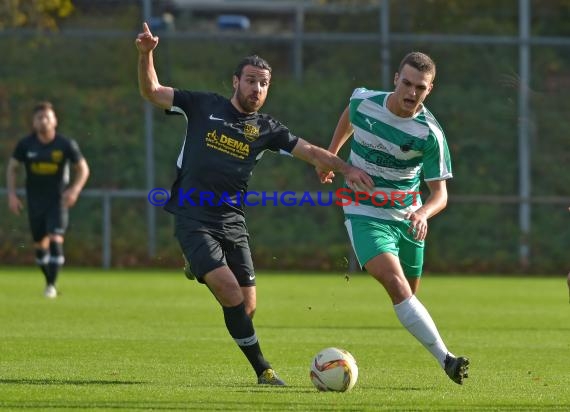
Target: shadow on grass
x,y
25,381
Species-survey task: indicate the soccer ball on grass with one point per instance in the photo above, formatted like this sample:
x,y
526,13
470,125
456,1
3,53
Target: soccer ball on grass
x,y
334,369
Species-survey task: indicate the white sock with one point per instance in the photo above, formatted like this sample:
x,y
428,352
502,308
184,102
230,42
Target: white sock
x,y
415,317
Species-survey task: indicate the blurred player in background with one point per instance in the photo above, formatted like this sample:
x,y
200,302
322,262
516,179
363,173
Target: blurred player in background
x,y
396,139
224,140
46,156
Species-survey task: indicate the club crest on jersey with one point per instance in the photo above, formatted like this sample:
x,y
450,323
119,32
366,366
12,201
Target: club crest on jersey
x,y
56,156
250,132
407,146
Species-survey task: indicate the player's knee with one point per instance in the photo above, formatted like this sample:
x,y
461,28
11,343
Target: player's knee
x,y
250,311
42,244
398,288
55,238
414,284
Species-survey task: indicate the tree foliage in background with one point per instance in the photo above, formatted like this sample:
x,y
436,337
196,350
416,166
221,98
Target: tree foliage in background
x,y
38,14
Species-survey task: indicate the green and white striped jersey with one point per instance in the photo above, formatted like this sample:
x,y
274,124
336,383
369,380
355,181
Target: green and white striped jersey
x,y
394,151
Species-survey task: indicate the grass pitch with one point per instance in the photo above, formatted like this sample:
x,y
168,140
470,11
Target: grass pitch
x,y
142,340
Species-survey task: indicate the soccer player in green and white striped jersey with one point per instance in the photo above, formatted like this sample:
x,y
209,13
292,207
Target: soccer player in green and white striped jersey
x,y
396,139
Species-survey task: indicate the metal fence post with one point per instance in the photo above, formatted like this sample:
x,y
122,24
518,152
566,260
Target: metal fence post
x,y
106,238
385,42
523,133
298,43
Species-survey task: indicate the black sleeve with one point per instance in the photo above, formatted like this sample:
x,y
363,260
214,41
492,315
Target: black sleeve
x,y
181,103
20,151
73,152
283,138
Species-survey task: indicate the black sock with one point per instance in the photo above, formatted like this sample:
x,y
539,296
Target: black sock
x,y
241,329
42,260
56,260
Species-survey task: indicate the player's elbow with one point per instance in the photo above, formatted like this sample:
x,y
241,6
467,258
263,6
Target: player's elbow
x,y
146,94
86,171
83,170
442,201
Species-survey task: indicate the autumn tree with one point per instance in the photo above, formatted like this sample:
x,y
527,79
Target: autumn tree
x,y
38,14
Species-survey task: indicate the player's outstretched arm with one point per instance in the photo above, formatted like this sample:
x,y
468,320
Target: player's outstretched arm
x,y
325,160
149,86
14,203
342,133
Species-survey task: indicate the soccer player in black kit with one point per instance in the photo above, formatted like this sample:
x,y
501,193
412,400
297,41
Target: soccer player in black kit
x,y
46,156
224,140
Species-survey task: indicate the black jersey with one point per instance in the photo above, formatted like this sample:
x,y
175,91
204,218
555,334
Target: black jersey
x,y
220,150
47,168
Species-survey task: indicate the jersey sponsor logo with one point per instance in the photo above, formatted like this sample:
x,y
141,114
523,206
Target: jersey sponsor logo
x,y
374,146
403,152
250,132
31,155
384,160
44,168
227,145
57,156
212,136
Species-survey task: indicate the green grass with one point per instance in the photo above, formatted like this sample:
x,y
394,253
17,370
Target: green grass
x,y
140,340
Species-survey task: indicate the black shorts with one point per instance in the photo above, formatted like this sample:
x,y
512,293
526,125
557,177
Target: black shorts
x,y
51,221
208,246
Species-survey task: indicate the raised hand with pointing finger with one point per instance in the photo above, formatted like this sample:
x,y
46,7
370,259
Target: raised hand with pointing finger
x,y
145,41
